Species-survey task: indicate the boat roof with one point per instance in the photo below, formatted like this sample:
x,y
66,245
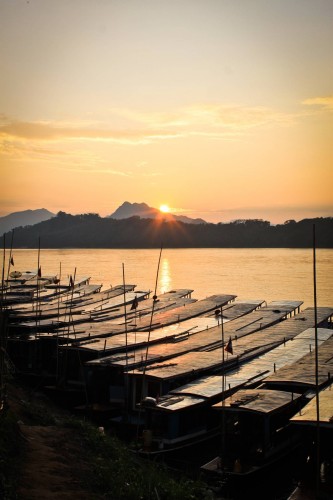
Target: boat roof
x,y
176,402
303,373
238,327
65,299
180,366
262,364
162,320
70,315
200,331
163,298
257,369
261,401
308,415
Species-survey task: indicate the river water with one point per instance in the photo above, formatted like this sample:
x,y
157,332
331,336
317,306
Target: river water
x,y
250,273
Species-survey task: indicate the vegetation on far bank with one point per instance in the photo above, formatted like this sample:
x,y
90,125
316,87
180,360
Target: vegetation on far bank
x,y
93,231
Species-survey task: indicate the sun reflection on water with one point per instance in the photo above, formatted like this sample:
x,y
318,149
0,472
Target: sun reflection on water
x,y
165,276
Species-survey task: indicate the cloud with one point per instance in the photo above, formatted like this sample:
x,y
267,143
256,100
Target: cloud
x,y
325,103
203,120
45,131
94,170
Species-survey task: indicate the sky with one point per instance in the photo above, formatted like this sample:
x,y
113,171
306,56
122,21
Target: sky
x,y
220,109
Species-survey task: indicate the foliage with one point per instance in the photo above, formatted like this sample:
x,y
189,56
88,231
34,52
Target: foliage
x,y
110,470
10,455
116,473
93,231
37,414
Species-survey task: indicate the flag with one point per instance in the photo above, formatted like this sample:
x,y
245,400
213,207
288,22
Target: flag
x,y
71,282
11,261
39,274
134,303
228,347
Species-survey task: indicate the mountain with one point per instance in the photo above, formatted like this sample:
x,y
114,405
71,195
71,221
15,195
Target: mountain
x,y
144,211
24,218
92,231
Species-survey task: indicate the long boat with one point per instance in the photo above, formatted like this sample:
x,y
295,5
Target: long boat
x,y
76,302
310,423
70,315
162,377
83,346
258,432
36,352
184,417
194,334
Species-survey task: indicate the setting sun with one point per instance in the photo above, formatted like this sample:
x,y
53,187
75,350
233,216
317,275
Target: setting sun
x,y
165,209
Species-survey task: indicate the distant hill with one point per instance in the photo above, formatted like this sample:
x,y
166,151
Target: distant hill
x,y
92,231
144,211
24,218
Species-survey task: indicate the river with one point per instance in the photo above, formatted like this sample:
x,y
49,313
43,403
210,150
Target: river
x,y
250,273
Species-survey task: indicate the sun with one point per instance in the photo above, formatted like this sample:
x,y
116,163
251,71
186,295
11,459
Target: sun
x,y
164,208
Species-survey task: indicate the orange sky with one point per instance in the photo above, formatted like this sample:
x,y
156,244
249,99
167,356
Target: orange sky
x,y
221,109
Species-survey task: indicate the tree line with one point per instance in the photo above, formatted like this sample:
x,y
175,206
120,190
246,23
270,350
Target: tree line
x,y
92,231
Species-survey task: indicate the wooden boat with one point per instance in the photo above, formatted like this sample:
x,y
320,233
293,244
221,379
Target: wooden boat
x,y
69,315
191,335
163,377
308,424
184,417
306,421
317,420
257,434
32,288
248,454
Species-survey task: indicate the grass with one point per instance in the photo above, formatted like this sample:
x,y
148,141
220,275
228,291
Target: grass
x,y
116,473
104,466
11,455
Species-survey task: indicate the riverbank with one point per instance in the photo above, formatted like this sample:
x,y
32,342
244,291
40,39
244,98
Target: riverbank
x,y
49,454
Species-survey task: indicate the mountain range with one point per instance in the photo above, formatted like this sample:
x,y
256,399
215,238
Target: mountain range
x,y
24,218
125,211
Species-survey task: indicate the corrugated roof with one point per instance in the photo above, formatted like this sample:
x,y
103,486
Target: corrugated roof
x,y
259,368
237,328
308,415
258,400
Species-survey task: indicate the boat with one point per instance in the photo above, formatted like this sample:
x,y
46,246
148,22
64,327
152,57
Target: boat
x,y
185,417
309,423
258,444
258,432
165,376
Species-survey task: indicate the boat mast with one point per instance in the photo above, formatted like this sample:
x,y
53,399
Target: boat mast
x,y
58,317
149,332
10,258
126,340
316,362
2,331
3,273
223,386
39,275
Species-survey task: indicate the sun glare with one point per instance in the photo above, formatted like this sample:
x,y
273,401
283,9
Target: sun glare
x,y
164,208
